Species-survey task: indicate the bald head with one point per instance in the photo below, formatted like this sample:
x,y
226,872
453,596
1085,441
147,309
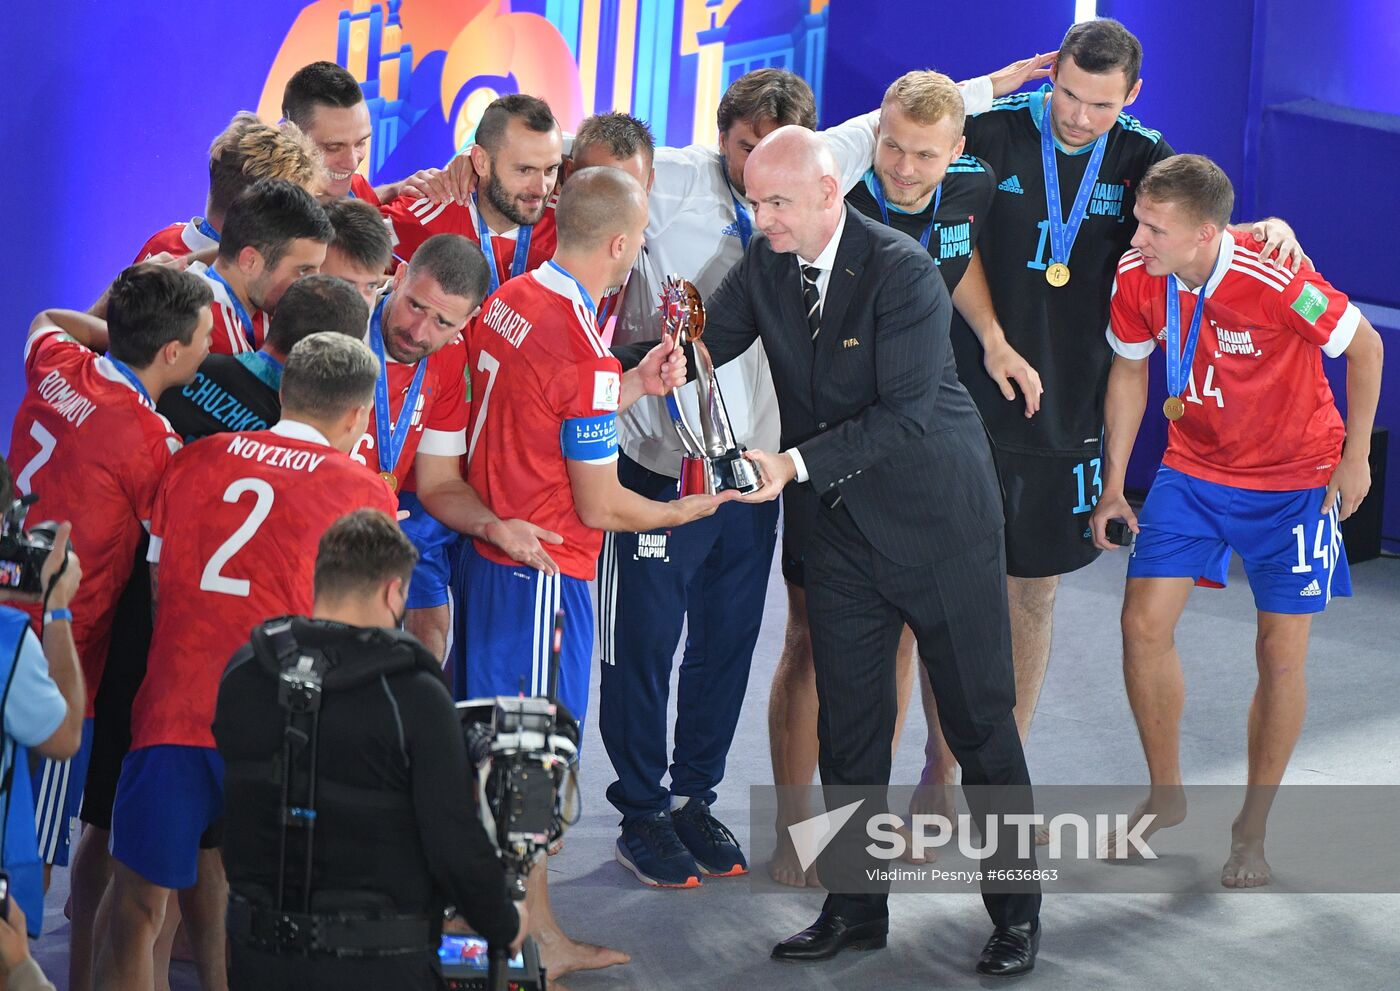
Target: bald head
x,y
596,205
600,217
793,181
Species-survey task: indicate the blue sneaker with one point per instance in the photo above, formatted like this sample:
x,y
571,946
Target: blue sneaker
x,y
650,849
709,841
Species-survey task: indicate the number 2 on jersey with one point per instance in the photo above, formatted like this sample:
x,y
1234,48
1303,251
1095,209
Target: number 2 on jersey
x,y
213,579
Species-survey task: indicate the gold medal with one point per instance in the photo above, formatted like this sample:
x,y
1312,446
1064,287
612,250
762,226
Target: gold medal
x,y
390,480
1057,274
1173,409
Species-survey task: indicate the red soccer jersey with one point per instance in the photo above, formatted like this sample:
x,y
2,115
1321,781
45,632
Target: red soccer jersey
x,y
361,189
236,524
1259,411
94,450
544,388
178,239
413,221
230,332
440,415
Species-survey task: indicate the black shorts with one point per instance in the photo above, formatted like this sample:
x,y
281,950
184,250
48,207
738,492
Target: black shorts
x,y
121,678
1048,502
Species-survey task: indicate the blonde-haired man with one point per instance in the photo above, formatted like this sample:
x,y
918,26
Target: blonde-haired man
x,y
244,152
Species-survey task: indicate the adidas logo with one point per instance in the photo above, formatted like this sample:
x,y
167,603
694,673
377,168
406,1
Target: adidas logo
x,y
1011,185
1313,588
731,231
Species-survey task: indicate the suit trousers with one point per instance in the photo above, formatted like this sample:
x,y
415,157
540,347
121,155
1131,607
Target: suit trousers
x,y
858,602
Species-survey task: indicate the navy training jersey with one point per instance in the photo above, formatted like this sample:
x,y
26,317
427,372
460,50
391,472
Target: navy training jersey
x,y
229,393
1059,331
968,189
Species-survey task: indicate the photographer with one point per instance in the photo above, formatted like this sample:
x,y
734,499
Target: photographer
x,y
41,706
378,794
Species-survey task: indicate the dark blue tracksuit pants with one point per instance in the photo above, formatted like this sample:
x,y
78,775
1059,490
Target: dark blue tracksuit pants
x,y
711,575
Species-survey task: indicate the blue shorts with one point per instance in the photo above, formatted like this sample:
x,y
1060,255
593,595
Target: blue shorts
x,y
508,615
58,798
436,544
1293,555
170,805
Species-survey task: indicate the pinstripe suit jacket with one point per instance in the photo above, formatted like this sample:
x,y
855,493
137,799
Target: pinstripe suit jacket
x,y
874,405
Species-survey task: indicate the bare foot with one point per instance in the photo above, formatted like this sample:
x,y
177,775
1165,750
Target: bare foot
x,y
933,798
785,868
1246,867
1166,806
560,955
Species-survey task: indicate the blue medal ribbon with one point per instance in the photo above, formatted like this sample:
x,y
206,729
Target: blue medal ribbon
x,y
136,383
587,299
1179,360
244,319
521,260
608,303
878,188
741,216
272,363
391,436
204,228
1063,232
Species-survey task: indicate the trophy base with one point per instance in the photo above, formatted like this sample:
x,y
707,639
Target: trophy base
x,y
708,476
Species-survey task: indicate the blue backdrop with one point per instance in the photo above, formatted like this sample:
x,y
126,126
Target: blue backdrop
x,y
114,105
1293,98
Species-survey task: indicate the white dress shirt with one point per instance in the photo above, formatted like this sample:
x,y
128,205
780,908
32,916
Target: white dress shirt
x,y
823,263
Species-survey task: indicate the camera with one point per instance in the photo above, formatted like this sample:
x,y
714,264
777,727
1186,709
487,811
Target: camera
x,y
1118,532
524,751
22,554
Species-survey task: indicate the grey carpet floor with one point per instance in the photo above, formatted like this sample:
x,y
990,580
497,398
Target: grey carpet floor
x,y
719,936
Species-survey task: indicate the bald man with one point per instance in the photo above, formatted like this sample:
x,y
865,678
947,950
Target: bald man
x,y
543,441
883,451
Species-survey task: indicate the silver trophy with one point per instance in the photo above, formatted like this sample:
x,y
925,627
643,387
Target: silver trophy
x,y
713,461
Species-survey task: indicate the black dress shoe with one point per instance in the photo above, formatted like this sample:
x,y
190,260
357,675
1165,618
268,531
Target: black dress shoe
x,y
831,934
1011,950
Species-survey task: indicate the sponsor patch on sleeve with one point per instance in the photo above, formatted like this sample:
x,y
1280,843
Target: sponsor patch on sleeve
x,y
607,390
590,438
1311,303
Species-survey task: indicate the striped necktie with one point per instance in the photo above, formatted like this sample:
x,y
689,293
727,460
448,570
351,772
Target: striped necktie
x,y
812,298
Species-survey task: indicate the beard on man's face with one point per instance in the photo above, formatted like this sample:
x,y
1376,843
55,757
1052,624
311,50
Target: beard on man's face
x,y
510,206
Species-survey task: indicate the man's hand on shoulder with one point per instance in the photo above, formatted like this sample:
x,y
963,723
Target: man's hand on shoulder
x,y
453,184
1281,245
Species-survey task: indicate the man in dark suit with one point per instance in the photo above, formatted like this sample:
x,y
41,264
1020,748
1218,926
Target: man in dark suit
x,y
886,466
